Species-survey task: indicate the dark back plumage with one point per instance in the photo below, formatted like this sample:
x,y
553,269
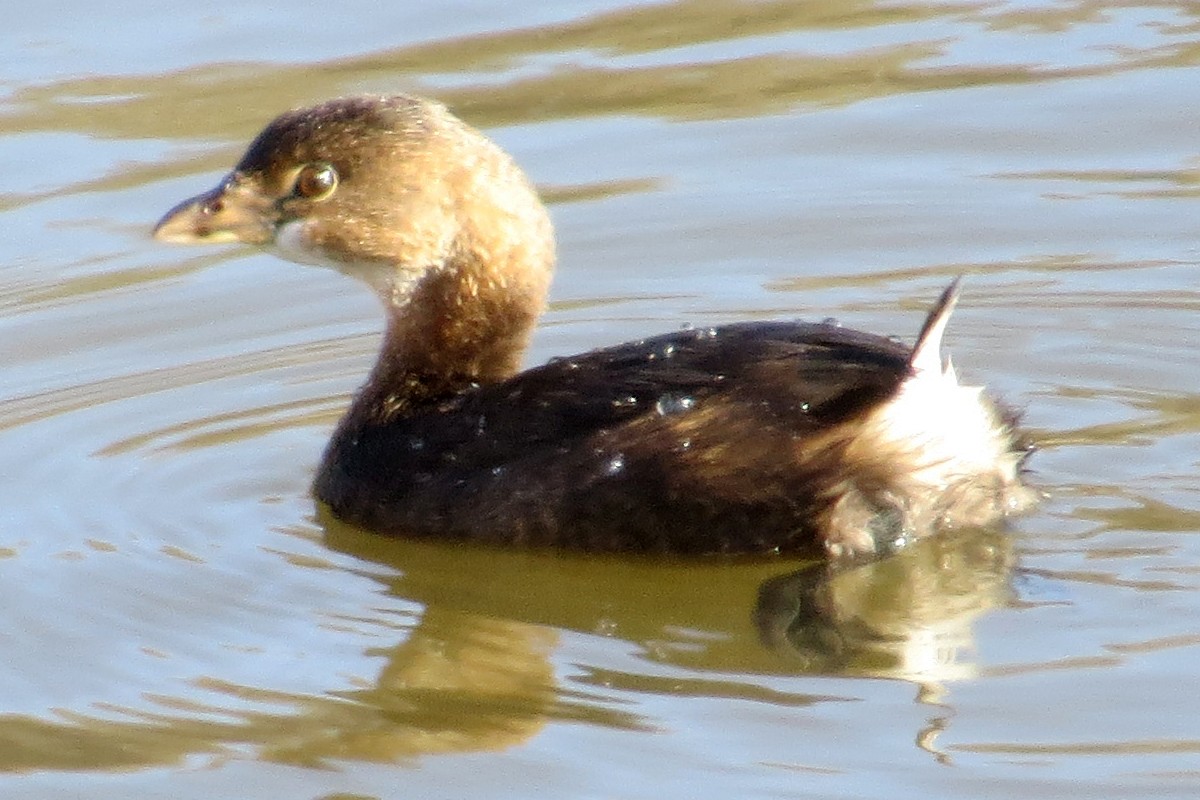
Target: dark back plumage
x,y
706,440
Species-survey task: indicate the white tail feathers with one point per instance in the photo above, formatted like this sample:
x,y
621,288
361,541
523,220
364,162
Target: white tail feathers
x,y
943,455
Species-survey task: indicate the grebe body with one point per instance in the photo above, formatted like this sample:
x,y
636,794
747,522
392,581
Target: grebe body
x,y
767,437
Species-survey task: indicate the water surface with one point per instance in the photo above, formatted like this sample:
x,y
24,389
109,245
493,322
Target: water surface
x,y
179,620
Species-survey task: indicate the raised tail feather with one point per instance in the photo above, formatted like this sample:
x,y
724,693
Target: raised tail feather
x,y
927,353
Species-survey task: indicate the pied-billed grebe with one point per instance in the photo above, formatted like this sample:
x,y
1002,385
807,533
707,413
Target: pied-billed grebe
x,y
746,438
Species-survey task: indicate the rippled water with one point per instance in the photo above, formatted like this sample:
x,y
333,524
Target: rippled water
x,y
178,620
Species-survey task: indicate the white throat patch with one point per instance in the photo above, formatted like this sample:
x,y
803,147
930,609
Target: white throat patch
x,y
291,243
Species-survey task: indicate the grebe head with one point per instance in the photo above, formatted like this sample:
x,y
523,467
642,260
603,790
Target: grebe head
x,y
403,195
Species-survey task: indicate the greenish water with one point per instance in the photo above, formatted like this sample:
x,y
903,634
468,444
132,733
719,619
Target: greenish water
x,y
178,620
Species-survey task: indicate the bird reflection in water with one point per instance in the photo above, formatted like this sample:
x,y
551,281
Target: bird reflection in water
x,y
909,616
481,666
492,621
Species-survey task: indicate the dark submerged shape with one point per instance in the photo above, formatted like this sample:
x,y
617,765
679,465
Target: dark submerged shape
x,y
748,438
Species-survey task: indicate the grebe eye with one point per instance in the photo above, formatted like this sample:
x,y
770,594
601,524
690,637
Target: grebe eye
x,y
315,181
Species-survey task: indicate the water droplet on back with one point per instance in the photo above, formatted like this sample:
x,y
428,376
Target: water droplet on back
x,y
674,404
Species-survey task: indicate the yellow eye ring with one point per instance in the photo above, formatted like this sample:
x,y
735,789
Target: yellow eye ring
x,y
315,182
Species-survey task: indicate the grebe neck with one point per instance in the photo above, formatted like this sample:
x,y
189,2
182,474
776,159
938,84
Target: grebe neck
x,y
454,327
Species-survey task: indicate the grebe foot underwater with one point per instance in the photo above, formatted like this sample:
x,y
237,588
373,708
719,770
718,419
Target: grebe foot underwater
x,y
766,437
